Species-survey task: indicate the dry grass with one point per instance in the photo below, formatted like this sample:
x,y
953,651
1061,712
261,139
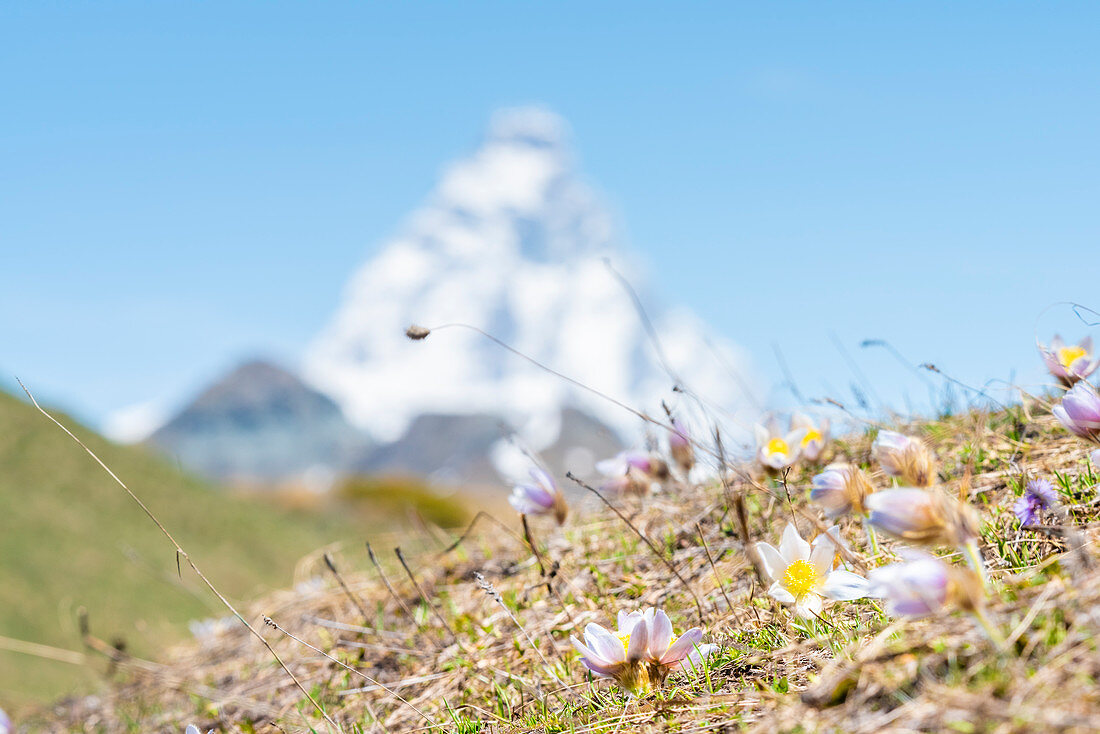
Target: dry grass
x,y
460,664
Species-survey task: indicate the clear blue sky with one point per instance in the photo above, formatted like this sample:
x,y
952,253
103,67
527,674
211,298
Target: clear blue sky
x,y
183,184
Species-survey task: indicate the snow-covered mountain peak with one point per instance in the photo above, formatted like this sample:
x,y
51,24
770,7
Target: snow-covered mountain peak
x,y
511,241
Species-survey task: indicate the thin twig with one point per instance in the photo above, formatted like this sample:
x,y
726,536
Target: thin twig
x,y
340,579
386,582
181,553
273,624
710,560
424,597
647,541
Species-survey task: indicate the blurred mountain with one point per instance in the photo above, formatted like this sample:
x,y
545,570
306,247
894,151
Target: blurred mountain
x,y
262,423
512,241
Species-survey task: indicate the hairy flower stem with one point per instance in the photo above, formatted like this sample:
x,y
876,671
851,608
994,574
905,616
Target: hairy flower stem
x,y
974,558
872,537
991,630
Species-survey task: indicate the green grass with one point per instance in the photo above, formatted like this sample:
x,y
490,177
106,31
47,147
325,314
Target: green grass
x,y
70,538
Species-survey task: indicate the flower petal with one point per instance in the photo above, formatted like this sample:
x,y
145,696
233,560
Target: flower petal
x,y
639,641
842,585
660,635
772,560
607,646
808,606
779,592
685,644
792,547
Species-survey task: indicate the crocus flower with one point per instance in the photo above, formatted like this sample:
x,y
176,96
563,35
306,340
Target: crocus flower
x,y
840,489
641,461
679,445
816,436
924,585
644,650
922,516
540,498
777,451
1072,363
1079,412
803,575
905,457
1038,495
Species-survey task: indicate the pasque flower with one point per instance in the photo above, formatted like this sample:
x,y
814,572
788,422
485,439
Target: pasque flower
x,y
814,439
644,650
5,723
924,516
840,489
1079,412
542,497
1039,495
775,450
679,445
904,457
924,585
802,574
631,472
1069,363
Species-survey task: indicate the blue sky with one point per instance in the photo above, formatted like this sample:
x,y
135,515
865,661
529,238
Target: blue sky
x,y
186,184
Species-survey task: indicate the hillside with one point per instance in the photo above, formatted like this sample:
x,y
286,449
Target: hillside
x,y
69,537
470,657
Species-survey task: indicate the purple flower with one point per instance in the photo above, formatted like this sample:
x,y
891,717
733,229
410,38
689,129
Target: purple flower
x,y
1039,495
841,489
541,498
1095,456
644,650
1079,412
679,445
1072,363
916,588
905,457
923,584
5,723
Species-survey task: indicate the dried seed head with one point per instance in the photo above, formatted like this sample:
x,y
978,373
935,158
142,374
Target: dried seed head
x,y
416,333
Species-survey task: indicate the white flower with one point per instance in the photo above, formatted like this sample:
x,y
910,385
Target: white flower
x,y
643,651
541,498
840,489
777,451
815,438
1069,363
923,585
803,575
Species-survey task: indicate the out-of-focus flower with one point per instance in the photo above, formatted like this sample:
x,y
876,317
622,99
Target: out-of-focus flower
x,y
1095,456
679,445
191,729
924,585
775,450
803,575
1039,495
840,489
644,650
1069,363
816,437
540,498
904,457
1079,412
621,463
5,723
927,517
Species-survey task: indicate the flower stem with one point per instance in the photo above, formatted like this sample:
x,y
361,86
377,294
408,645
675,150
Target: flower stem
x,y
872,538
990,630
974,558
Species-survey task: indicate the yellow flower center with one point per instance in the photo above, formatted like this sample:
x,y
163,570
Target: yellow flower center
x,y
811,435
1068,355
800,578
624,637
777,446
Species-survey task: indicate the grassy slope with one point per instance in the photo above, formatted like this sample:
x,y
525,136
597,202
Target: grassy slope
x,y
69,537
858,671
